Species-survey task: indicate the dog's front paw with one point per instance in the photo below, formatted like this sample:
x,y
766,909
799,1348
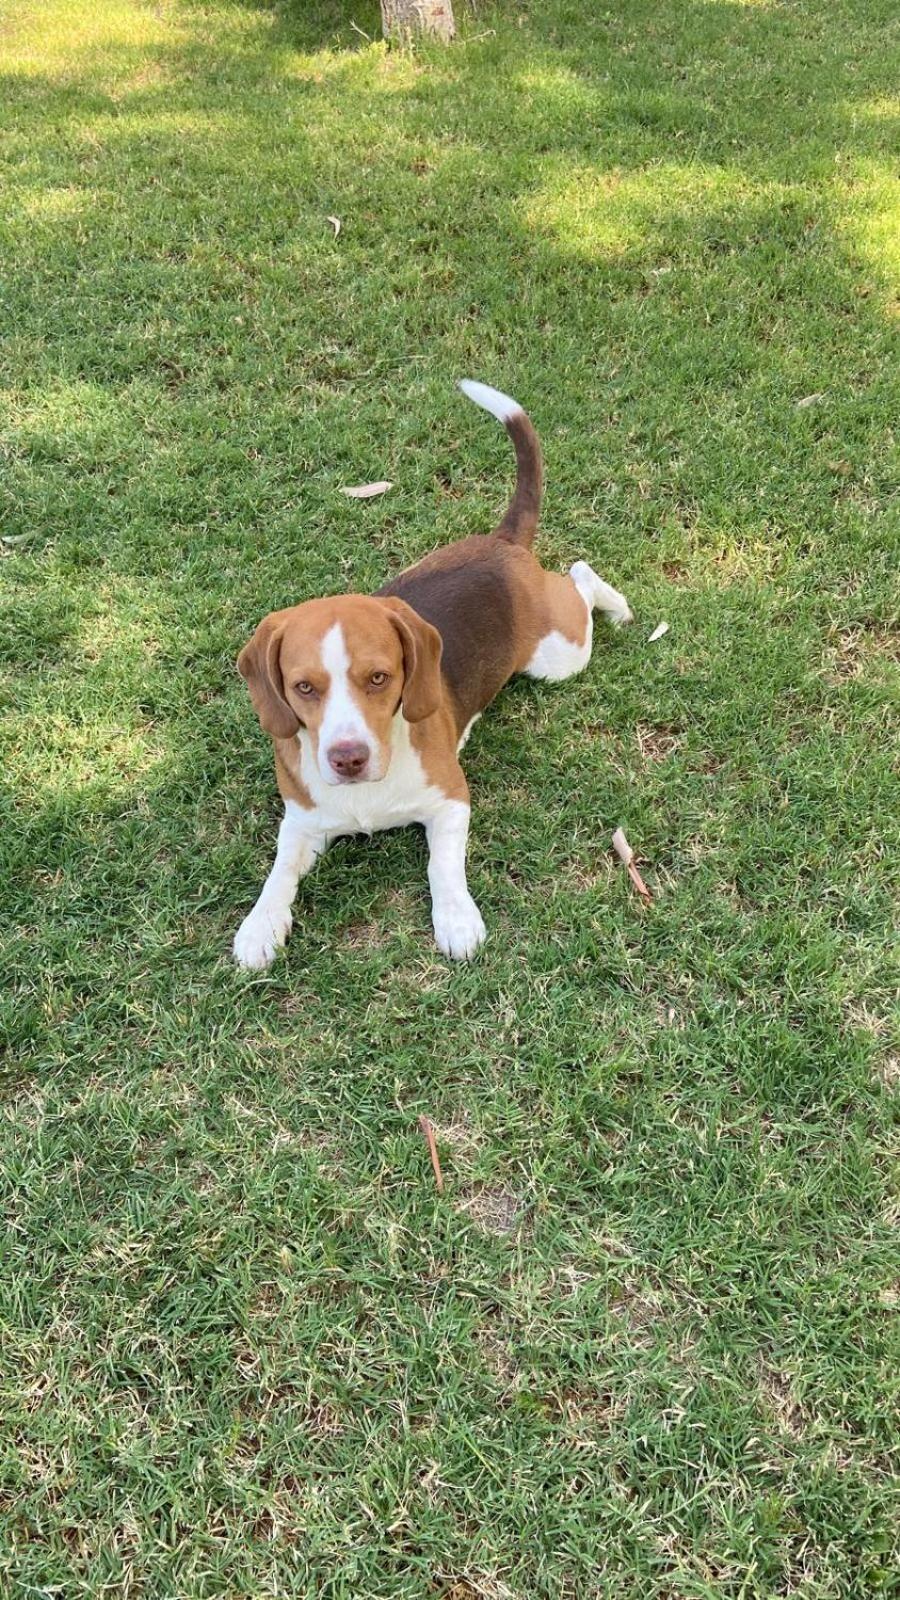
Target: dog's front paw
x,y
458,928
260,936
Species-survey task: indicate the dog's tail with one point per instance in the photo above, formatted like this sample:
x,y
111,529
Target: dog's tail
x,y
519,525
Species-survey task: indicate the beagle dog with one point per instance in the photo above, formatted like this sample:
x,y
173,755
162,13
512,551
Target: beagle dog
x,y
369,699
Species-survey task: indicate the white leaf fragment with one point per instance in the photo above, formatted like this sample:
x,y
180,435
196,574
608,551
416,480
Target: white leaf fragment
x,y
622,847
658,631
367,491
335,223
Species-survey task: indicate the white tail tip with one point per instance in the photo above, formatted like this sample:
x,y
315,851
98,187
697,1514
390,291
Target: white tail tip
x,y
499,405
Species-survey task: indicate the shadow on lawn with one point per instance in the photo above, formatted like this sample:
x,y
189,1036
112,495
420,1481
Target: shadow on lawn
x,y
643,231
320,24
621,162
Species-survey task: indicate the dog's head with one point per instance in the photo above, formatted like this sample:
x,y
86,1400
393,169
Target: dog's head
x,y
342,668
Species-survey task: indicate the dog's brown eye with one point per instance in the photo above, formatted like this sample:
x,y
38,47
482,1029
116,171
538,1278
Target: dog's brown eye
x,y
377,679
303,687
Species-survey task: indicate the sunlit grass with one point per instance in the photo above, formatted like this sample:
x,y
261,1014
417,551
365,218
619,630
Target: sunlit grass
x,y
591,211
58,37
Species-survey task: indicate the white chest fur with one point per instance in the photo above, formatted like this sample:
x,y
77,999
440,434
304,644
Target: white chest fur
x,y
403,795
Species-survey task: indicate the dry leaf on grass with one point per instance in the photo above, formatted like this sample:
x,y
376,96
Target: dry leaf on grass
x,y
428,1131
658,631
625,853
367,491
808,400
335,223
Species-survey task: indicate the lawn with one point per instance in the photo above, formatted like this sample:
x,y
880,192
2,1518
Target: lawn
x,y
645,1344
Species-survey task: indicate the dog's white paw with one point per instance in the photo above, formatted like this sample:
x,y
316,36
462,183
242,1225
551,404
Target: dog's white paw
x,y
600,595
260,936
458,928
622,616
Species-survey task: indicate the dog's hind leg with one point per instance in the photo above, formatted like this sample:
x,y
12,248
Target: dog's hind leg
x,y
600,596
570,601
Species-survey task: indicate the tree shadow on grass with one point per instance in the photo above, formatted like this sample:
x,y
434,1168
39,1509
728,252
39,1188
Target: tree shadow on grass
x,y
644,235
320,24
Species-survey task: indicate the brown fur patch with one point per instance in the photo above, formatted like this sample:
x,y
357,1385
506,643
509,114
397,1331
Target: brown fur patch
x,y
468,592
434,742
492,603
561,610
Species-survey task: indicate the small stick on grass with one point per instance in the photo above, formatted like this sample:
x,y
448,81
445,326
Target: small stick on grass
x,y
428,1131
625,853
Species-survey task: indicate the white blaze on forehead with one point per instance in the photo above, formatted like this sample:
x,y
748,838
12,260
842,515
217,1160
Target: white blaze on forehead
x,y
343,719
334,651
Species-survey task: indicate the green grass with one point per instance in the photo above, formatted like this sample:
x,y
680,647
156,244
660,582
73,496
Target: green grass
x,y
645,1344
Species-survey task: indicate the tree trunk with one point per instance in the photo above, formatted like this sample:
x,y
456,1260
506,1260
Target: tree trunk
x,y
402,19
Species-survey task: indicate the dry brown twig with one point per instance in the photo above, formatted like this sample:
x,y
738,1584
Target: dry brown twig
x,y
426,1128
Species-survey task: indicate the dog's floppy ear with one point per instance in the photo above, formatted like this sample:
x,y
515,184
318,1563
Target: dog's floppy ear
x,y
259,662
422,646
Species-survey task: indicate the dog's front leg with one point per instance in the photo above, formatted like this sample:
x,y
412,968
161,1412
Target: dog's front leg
x,y
265,929
458,927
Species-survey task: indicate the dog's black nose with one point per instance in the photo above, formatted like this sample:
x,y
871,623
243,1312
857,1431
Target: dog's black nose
x,y
349,760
